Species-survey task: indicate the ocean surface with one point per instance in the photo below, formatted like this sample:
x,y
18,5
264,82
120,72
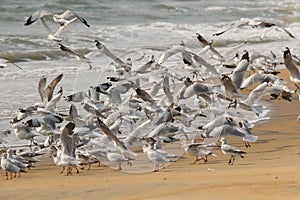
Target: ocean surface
x,y
129,28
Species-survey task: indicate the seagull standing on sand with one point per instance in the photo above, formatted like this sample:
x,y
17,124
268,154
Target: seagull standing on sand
x,y
67,157
8,166
155,156
233,151
118,158
200,151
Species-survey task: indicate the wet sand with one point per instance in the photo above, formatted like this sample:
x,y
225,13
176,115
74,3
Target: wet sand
x,y
270,170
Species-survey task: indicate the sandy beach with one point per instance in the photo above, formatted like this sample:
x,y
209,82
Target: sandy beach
x,y
270,170
119,49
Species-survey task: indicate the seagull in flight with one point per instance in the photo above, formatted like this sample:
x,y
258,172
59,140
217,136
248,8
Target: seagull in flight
x,y
77,55
256,22
64,20
291,66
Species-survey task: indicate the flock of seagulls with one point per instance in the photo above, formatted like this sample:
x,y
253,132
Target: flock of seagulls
x,y
140,110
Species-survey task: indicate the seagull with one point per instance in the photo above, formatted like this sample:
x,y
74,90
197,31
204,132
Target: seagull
x,y
86,159
155,156
256,94
38,15
256,22
107,52
170,52
238,73
46,92
105,129
66,151
63,20
204,63
205,43
230,89
240,131
8,166
291,67
51,104
118,158
146,66
24,133
46,125
233,151
16,160
4,61
23,113
77,55
260,77
144,95
200,151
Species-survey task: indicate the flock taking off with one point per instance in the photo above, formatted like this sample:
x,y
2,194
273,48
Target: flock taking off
x,y
194,103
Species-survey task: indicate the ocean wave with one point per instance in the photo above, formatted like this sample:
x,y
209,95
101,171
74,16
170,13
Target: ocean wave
x,y
24,56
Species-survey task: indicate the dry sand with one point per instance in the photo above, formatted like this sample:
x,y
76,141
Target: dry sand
x,y
270,170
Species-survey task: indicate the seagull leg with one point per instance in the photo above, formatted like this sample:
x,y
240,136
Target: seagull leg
x,y
230,162
233,158
197,159
63,169
89,167
119,168
205,159
156,169
247,144
6,174
77,171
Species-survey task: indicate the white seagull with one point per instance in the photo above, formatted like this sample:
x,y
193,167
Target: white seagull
x,y
233,151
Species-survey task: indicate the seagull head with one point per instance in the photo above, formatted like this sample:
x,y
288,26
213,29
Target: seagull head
x,y
286,52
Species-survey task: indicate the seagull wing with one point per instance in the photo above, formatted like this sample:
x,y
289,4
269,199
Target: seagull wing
x,y
67,139
50,88
41,88
256,94
61,28
170,52
250,80
100,124
210,67
241,22
81,19
290,64
237,75
286,31
51,105
36,16
166,88
68,14
108,53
